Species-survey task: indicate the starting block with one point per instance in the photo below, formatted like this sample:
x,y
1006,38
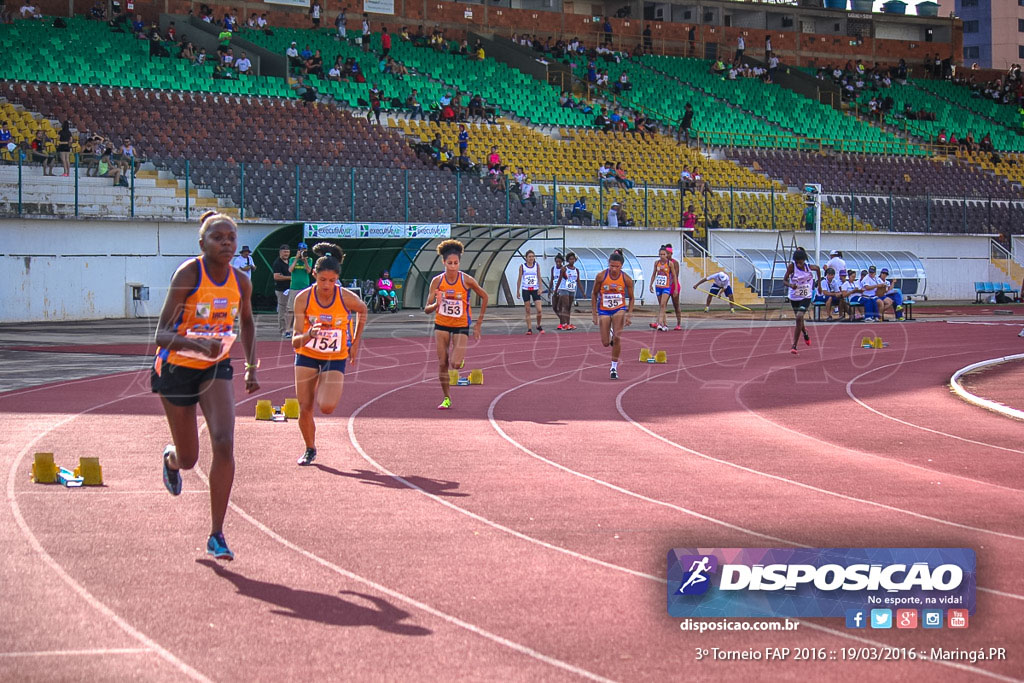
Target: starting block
x,y
68,478
645,355
476,376
89,471
43,469
661,357
291,408
264,411
873,343
453,377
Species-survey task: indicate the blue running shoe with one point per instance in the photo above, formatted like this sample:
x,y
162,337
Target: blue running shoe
x,y
218,547
172,478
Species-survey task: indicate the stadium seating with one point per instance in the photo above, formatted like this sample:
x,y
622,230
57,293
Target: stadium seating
x,y
1004,114
921,214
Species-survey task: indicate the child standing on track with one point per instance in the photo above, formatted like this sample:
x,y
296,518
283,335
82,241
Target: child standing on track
x,y
565,291
324,341
192,365
529,285
719,285
448,296
662,283
800,279
612,288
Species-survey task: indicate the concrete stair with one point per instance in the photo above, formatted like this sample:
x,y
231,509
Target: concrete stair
x,y
1014,271
742,294
158,195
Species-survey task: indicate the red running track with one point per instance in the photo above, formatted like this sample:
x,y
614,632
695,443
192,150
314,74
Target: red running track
x,y
521,535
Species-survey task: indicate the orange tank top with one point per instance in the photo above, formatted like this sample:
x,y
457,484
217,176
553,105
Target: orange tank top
x,y
210,311
335,332
612,296
662,273
453,303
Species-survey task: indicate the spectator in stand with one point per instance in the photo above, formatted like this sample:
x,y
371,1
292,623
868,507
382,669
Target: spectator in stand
x,y
986,144
829,293
341,23
613,215
527,192
620,176
623,84
243,64
685,124
648,43
690,219
607,31
106,169
315,10
686,183
334,74
262,23
305,92
870,285
139,27
188,52
64,147
294,61
741,45
385,41
201,57
463,140
7,145
412,103
98,11
716,222
244,262
605,174
476,106
579,211
365,37
305,54
41,153
773,66
315,65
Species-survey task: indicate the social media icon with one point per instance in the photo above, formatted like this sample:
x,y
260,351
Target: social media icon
x,y
906,618
881,618
856,618
931,618
956,618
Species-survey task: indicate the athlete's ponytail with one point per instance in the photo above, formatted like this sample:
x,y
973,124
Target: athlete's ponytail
x,y
449,247
330,257
617,256
210,218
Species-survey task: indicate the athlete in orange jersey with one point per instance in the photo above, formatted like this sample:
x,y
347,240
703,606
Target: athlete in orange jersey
x,y
448,299
611,312
194,335
329,323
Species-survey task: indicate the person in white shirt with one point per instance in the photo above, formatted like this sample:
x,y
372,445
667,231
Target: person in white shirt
x,y
243,64
261,21
829,292
740,47
835,261
613,215
869,285
720,284
244,262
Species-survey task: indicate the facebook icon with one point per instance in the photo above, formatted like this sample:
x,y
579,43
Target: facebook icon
x,y
856,618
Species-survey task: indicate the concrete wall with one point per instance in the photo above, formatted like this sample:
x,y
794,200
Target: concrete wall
x,y
1017,248
953,263
68,270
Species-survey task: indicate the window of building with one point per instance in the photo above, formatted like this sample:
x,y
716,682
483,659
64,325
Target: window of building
x,y
1020,51
1020,26
971,26
973,52
974,3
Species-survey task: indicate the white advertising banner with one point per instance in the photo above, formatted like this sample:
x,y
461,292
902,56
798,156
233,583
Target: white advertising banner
x,y
387,231
379,6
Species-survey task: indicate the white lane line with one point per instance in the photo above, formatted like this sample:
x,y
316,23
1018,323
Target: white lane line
x,y
958,389
83,593
79,653
849,392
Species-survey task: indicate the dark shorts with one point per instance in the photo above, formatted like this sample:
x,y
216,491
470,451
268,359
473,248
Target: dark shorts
x,y
800,304
531,295
320,364
181,386
451,330
718,290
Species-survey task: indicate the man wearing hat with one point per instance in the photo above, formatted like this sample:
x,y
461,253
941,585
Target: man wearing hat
x,y
835,261
891,298
300,266
293,56
613,215
244,262
870,285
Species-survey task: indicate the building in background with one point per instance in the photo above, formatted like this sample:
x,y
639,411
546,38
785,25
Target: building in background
x,y
993,32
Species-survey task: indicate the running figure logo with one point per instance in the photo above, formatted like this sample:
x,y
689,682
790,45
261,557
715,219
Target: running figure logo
x,y
697,581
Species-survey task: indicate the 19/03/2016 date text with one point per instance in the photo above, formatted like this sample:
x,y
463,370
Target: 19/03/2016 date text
x,y
852,654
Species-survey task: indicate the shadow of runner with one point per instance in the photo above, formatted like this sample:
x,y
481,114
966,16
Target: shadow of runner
x,y
321,607
438,487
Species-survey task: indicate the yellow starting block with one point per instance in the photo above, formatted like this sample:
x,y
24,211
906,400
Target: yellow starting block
x,y
90,471
873,343
476,376
264,411
453,377
291,408
44,471
661,357
645,355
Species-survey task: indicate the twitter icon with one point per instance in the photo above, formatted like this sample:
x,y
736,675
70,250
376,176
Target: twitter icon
x,y
881,618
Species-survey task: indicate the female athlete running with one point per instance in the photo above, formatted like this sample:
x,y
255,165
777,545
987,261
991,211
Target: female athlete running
x,y
612,289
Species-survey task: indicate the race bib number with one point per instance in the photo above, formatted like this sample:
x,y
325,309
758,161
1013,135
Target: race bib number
x,y
802,292
661,280
327,341
451,308
570,285
226,340
611,301
529,281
